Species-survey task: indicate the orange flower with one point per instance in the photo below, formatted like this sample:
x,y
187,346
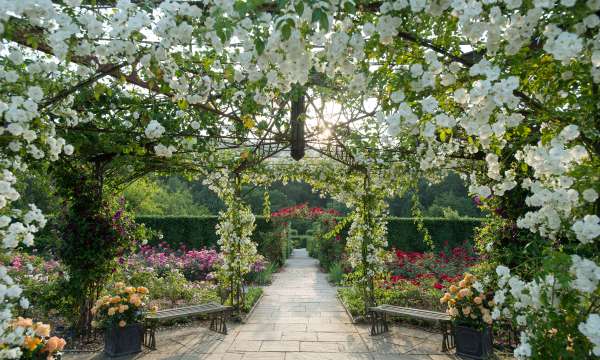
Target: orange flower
x,y
112,311
453,289
463,283
130,289
142,290
135,299
55,344
23,322
42,329
477,300
445,298
465,292
123,308
115,300
470,278
31,342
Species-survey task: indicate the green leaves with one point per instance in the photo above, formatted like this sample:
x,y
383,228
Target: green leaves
x,y
320,16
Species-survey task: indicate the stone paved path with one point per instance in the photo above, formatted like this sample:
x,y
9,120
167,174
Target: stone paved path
x,y
298,318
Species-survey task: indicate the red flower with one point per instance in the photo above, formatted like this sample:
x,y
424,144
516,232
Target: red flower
x,y
438,286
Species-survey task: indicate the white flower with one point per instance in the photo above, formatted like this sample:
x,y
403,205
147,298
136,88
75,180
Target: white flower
x,y
68,149
590,195
164,151
586,272
416,70
591,329
524,349
429,104
154,130
587,229
35,93
397,96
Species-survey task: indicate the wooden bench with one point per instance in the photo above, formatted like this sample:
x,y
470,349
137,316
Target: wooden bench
x,y
217,313
379,323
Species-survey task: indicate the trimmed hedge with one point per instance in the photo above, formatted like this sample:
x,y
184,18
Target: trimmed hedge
x,y
194,231
403,233
199,231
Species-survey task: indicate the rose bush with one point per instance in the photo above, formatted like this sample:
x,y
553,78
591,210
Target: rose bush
x,y
125,305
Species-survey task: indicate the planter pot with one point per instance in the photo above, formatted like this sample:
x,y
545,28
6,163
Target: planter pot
x,y
471,343
119,341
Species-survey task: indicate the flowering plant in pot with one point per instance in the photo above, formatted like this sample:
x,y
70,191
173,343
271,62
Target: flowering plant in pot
x,y
37,344
471,311
121,317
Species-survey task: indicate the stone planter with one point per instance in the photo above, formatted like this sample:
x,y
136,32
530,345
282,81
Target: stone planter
x,y
473,344
119,341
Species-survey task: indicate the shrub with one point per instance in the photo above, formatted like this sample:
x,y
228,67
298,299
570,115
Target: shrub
x,y
174,287
124,306
195,232
444,265
262,277
252,295
422,295
196,265
336,273
274,246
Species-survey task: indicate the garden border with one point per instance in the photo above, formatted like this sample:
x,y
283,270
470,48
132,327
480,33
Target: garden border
x,y
355,320
247,316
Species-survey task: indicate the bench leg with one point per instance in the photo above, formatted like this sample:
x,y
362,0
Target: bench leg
x,y
218,322
150,335
379,323
448,336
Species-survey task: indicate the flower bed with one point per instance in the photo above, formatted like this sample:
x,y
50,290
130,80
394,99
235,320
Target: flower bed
x,y
416,280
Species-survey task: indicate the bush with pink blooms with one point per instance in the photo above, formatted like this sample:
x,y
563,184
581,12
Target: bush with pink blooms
x,y
196,265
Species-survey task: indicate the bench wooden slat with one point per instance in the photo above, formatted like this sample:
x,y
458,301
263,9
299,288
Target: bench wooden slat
x,y
168,314
398,310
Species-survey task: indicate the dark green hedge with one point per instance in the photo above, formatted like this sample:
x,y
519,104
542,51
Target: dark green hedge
x,y
403,233
193,231
199,231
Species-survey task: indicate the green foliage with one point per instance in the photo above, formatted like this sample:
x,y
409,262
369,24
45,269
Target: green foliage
x,y
251,295
273,246
336,273
403,234
263,277
300,241
422,296
193,231
173,286
148,197
93,234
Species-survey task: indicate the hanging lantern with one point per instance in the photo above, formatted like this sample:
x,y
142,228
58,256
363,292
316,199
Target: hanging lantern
x,y
297,140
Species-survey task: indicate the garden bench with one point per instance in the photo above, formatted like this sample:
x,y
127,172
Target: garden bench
x,y
217,313
379,323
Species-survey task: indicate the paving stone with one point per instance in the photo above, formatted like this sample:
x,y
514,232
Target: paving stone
x,y
352,347
245,345
282,345
259,335
314,346
326,356
339,336
264,356
299,335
